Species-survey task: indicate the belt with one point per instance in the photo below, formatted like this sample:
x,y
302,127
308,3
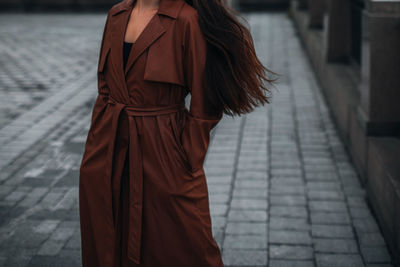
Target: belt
x,y
135,166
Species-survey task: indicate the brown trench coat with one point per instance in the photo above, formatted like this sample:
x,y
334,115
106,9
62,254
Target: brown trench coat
x,y
145,151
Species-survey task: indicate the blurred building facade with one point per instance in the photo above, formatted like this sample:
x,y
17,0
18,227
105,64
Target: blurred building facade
x,y
64,5
260,4
56,5
354,48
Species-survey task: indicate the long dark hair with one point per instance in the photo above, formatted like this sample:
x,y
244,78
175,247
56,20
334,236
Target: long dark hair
x,y
236,79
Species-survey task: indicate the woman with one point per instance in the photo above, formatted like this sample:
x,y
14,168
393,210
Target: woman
x,y
143,193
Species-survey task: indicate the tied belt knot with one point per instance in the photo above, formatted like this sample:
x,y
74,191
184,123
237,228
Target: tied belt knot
x,y
136,166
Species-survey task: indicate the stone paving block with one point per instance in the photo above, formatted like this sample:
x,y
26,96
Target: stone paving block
x,y
70,257
327,206
376,254
320,172
218,221
13,198
50,248
75,241
23,236
291,252
3,258
236,257
332,231
286,172
321,161
357,202
246,228
215,189
218,234
43,173
250,193
285,223
371,239
36,182
261,166
318,217
290,237
33,197
19,257
325,195
218,209
379,265
53,196
213,180
316,154
325,173
290,263
244,215
354,191
335,245
288,200
245,242
366,225
350,180
339,260
43,261
68,200
244,203
256,184
279,164
62,233
282,181
223,161
252,148
325,185
71,179
219,198
219,171
360,213
14,180
288,211
288,189
46,226
5,190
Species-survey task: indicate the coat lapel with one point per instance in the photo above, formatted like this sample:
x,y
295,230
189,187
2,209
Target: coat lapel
x,y
153,30
120,18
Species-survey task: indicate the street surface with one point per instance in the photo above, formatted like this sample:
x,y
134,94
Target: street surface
x,y
283,191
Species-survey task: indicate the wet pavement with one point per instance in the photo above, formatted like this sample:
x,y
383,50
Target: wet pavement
x,y
283,191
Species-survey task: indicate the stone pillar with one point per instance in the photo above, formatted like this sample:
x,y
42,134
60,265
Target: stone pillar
x,y
338,38
379,110
316,13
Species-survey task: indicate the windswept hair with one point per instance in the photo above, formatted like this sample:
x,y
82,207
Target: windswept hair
x,y
236,79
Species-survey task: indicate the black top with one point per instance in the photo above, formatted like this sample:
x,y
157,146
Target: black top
x,y
127,50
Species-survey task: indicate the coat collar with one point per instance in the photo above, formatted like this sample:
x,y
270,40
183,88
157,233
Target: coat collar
x,y
168,8
155,28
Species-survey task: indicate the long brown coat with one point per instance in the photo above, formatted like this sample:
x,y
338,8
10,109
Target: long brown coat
x,y
143,195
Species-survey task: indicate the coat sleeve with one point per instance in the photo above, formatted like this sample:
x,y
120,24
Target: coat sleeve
x,y
198,120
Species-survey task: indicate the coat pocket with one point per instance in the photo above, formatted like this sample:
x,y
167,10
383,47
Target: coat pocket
x,y
178,143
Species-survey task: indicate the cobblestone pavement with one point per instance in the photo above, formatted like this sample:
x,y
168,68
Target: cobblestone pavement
x,y
282,189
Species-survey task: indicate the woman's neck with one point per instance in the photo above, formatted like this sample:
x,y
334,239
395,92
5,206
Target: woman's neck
x,y
143,5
